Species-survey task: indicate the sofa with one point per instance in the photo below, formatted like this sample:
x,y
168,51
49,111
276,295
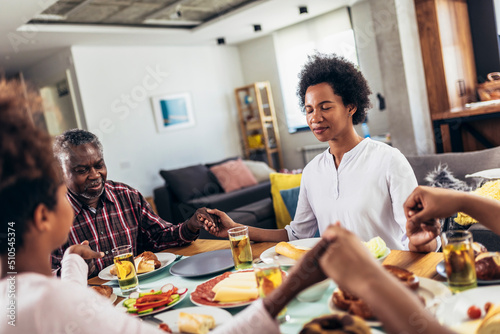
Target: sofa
x,y
192,187
461,164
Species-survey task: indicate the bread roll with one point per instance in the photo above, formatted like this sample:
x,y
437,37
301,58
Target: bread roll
x,y
488,266
491,322
336,323
144,263
289,250
195,323
104,290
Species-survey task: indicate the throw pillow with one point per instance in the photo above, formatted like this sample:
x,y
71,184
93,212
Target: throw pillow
x,y
280,182
259,169
209,165
190,182
233,175
290,198
490,189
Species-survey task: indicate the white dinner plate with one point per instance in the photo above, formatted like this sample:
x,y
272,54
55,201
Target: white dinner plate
x,y
270,253
164,258
433,292
112,298
453,311
121,307
441,270
171,318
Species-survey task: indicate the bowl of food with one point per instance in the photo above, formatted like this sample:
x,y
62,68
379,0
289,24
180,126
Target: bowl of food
x,y
378,248
314,292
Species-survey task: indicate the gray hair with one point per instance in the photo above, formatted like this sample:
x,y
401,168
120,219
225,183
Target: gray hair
x,y
74,137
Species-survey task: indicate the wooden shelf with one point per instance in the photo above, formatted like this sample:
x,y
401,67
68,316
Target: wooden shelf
x,y
264,121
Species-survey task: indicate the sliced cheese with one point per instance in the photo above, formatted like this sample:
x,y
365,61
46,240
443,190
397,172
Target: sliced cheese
x,y
248,275
237,284
229,295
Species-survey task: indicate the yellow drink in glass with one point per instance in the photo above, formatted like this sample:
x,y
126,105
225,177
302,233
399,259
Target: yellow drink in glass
x,y
240,247
459,260
125,268
269,276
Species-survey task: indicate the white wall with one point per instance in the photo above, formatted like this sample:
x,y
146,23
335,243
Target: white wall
x,y
258,61
53,69
415,76
116,84
369,65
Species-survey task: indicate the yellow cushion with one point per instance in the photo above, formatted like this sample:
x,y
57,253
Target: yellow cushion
x,y
281,182
490,189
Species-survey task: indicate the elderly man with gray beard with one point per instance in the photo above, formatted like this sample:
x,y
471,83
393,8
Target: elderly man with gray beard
x,y
110,214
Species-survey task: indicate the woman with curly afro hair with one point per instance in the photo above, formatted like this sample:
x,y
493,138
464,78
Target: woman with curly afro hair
x,y
358,181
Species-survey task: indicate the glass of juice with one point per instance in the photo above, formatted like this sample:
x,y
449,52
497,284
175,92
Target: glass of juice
x,y
240,247
269,276
459,260
125,268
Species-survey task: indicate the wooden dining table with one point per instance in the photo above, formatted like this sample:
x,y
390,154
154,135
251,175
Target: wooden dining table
x,y
422,264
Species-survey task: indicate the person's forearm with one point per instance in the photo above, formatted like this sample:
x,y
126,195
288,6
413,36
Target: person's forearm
x,y
484,210
398,308
260,234
281,296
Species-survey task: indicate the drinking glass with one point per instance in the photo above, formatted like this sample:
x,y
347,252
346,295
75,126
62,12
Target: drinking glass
x,y
269,277
459,260
240,247
125,268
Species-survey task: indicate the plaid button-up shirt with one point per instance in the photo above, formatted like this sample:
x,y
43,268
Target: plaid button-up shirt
x,y
122,217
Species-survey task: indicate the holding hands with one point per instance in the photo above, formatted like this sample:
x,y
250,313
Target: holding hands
x,y
200,219
220,223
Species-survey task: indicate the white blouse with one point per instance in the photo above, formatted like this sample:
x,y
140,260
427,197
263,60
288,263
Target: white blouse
x,y
366,194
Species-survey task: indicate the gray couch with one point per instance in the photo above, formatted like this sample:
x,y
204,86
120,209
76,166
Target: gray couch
x,y
189,188
461,164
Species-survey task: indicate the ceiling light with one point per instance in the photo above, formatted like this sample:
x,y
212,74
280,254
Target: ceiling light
x,y
257,27
303,10
221,41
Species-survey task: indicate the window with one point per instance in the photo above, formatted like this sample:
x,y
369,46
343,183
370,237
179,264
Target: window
x,y
329,33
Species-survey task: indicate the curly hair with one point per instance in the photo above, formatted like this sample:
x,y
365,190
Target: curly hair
x,y
345,80
29,174
74,137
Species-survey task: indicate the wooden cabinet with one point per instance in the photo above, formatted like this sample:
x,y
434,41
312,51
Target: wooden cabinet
x,y
258,124
451,81
447,53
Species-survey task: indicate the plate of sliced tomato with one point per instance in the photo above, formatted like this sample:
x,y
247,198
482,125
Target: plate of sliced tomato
x,y
154,301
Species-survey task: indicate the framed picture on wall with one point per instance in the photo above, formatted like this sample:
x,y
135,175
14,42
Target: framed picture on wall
x,y
172,112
